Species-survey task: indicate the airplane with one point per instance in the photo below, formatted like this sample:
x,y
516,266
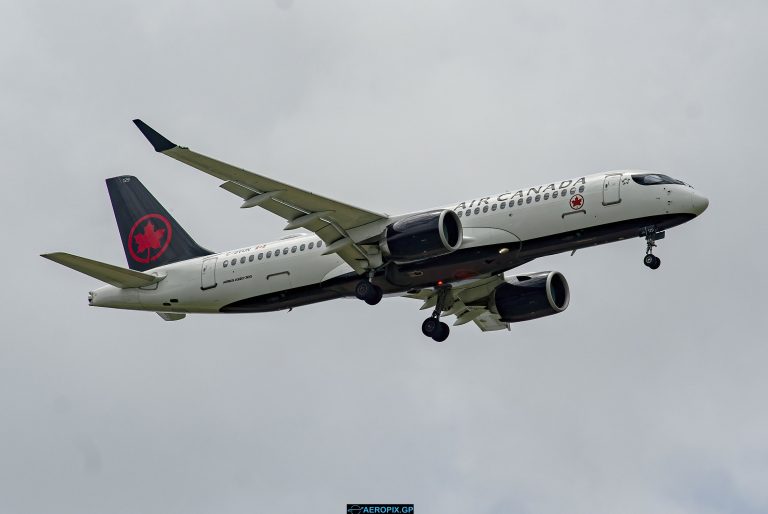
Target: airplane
x,y
452,258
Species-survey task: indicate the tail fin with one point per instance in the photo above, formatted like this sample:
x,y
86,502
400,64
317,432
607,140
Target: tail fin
x,y
151,237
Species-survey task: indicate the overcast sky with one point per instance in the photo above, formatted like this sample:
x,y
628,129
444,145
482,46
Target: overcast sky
x,y
647,395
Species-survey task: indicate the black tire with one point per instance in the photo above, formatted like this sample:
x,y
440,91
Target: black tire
x,y
656,263
649,259
430,326
442,333
363,290
375,296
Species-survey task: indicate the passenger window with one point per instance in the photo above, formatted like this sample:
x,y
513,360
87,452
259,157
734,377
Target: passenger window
x,y
261,256
477,210
468,212
311,245
242,259
485,209
538,197
502,205
554,194
563,192
520,202
277,253
269,254
225,264
250,258
319,244
493,207
529,199
301,248
460,213
573,190
233,262
581,189
546,196
285,251
293,250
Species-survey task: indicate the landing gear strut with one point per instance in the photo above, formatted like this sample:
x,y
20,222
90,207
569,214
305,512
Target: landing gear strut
x,y
651,236
432,326
369,293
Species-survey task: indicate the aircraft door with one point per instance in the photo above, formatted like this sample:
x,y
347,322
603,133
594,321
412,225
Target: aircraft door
x,y
208,273
612,189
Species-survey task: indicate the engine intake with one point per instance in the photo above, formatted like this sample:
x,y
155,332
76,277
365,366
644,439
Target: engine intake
x,y
526,297
422,236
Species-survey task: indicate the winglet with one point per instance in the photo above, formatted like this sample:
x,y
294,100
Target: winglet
x,y
160,143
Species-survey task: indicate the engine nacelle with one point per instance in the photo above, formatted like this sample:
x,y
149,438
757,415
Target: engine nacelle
x,y
422,236
525,297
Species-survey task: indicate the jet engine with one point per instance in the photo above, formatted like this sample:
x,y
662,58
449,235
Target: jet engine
x,y
525,297
422,236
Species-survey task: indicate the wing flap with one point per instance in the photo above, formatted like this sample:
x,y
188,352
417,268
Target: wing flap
x,y
115,275
469,315
489,322
238,189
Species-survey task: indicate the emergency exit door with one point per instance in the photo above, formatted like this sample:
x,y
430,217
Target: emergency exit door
x,y
612,189
208,273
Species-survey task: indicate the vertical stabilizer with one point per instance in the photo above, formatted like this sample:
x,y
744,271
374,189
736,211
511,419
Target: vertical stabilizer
x,y
150,235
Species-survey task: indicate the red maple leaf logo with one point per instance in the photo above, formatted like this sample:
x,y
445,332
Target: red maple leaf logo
x,y
577,201
147,243
149,239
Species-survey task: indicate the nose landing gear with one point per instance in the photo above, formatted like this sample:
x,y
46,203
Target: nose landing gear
x,y
432,326
652,261
651,236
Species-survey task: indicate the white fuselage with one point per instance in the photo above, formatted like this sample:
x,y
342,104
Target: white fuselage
x,y
207,284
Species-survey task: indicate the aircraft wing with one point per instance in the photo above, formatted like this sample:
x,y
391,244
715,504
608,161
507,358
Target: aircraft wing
x,y
332,221
468,301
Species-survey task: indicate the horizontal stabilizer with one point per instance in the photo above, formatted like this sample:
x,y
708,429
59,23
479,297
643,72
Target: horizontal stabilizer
x,y
115,275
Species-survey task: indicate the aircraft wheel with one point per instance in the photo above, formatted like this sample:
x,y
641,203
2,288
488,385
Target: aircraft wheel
x,y
652,261
442,332
375,297
430,327
369,293
363,289
648,259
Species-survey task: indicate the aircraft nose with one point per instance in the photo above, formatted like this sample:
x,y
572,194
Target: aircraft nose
x,y
699,202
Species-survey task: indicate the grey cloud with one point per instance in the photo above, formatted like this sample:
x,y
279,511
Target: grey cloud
x,y
646,395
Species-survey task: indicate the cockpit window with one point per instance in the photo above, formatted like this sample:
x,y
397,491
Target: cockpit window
x,y
654,179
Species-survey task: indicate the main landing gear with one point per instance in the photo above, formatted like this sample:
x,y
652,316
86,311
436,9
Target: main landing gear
x,y
369,293
651,236
436,329
432,326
